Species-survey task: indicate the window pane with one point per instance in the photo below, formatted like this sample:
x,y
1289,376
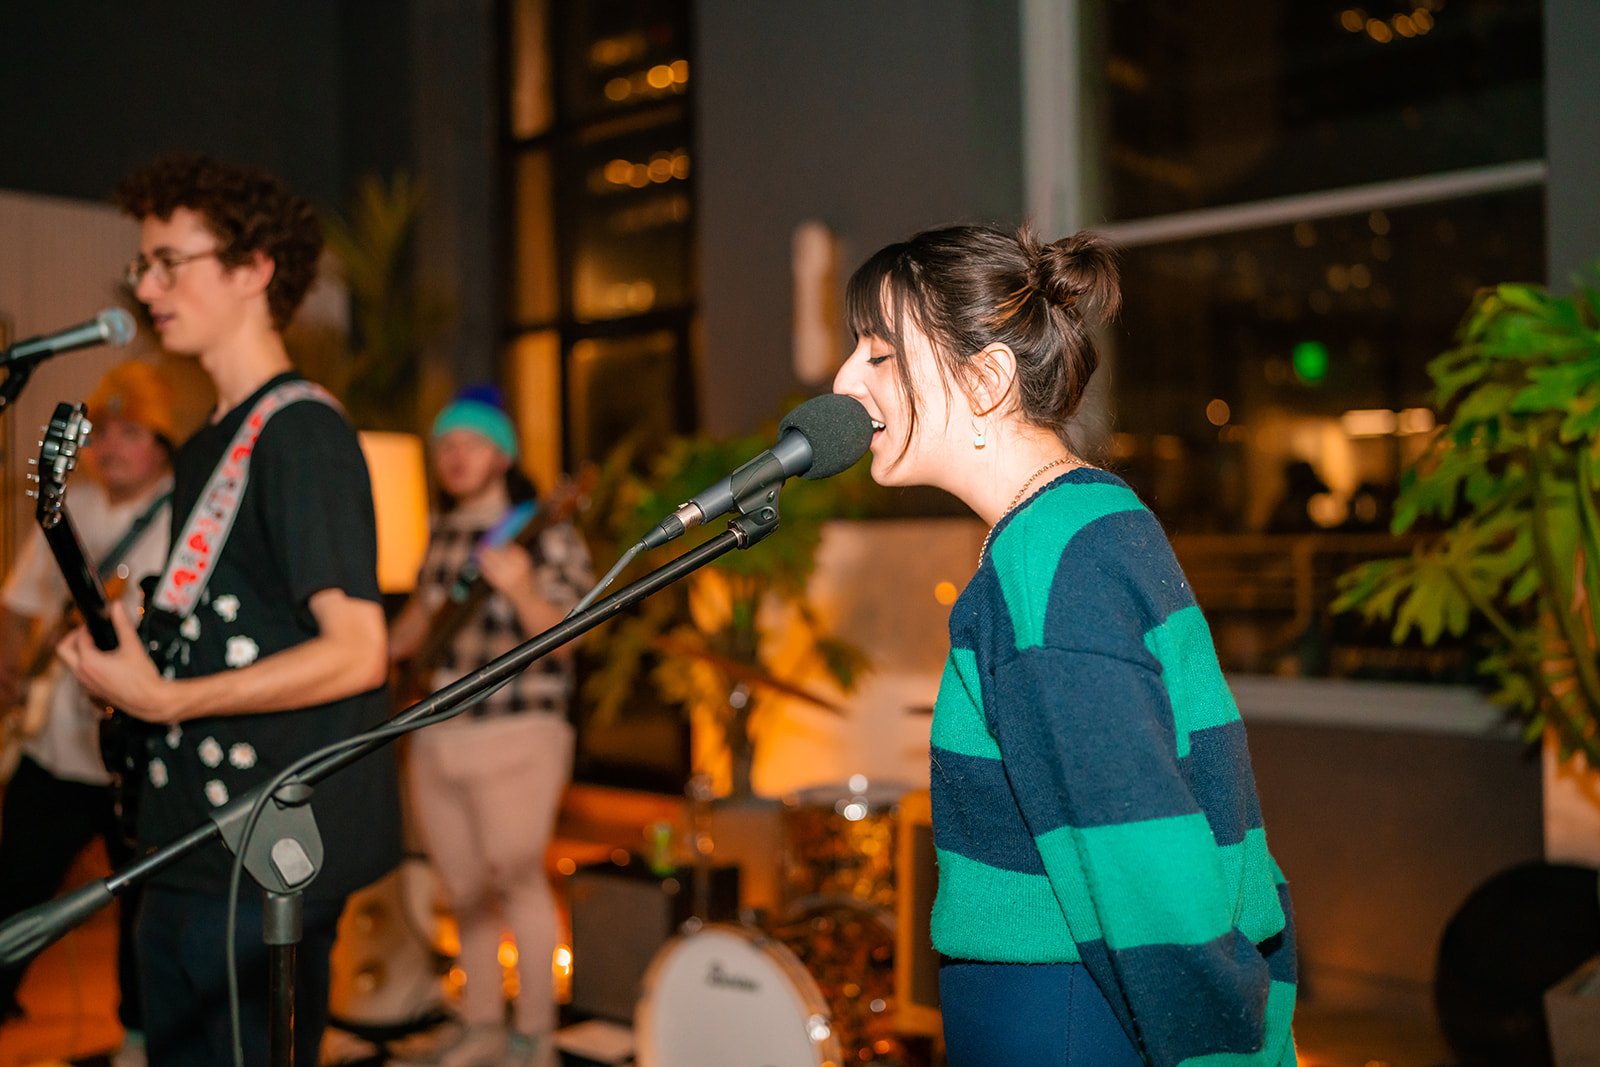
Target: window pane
x,y
625,52
1213,104
623,386
533,367
535,298
1240,354
633,222
531,105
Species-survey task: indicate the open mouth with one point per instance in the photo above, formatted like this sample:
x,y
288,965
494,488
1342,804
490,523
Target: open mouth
x,y
876,425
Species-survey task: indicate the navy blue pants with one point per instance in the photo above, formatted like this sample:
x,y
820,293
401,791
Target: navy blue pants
x,y
1038,1014
184,979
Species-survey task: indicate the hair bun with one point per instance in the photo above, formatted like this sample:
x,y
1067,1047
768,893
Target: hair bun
x,y
1080,273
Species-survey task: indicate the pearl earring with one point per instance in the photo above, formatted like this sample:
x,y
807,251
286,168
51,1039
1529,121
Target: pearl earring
x,y
978,430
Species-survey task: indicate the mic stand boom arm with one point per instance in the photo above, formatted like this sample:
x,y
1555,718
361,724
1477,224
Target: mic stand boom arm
x,y
288,818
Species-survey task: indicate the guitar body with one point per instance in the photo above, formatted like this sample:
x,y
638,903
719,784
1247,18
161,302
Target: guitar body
x,y
122,737
21,724
40,676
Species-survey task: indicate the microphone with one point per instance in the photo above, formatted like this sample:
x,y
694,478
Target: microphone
x,y
818,439
113,326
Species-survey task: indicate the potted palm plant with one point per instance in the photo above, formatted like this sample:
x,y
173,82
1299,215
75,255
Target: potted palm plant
x,y
378,369
741,634
1504,498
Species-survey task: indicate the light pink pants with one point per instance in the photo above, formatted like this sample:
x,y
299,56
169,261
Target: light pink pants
x,y
485,794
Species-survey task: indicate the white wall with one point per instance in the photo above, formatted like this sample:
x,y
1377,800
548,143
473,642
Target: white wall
x,y
875,581
59,265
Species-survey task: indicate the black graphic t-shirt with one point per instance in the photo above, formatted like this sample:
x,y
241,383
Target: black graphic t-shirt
x,y
305,523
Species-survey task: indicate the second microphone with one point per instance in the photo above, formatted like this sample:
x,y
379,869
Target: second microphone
x,y
820,438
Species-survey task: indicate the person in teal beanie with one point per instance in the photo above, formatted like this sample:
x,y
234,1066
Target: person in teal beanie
x,y
486,786
1105,893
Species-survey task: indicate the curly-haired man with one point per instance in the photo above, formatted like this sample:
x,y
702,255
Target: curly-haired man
x,y
265,633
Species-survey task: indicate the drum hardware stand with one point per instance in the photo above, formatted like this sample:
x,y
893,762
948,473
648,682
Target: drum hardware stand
x,y
289,853
700,794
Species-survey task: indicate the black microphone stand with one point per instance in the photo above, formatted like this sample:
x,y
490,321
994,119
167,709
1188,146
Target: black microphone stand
x,y
16,377
285,857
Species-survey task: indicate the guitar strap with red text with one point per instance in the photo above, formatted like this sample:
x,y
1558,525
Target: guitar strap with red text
x,y
205,533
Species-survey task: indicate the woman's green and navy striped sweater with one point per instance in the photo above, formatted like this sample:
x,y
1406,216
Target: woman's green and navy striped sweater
x,y
1092,793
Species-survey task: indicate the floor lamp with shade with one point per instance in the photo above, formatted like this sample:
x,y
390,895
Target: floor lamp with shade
x,y
397,463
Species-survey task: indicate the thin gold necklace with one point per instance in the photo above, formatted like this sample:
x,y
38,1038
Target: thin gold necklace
x,y
1058,461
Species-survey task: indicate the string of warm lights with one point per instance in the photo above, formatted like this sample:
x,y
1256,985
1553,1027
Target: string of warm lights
x,y
663,79
1416,22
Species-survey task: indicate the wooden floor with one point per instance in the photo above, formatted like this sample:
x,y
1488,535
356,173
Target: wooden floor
x,y
70,995
71,998
1336,1038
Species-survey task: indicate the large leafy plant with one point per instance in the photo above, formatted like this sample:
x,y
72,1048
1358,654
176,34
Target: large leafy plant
x,y
740,634
1505,497
378,372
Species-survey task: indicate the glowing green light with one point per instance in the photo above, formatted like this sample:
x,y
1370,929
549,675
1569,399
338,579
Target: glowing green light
x,y
1310,360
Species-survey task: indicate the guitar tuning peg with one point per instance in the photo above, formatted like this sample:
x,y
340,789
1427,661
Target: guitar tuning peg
x,y
33,461
31,494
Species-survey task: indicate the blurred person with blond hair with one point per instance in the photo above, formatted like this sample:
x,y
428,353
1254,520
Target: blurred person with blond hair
x,y
60,798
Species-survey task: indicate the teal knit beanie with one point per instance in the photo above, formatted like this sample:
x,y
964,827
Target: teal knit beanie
x,y
472,410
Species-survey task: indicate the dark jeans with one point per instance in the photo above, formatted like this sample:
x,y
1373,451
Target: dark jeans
x,y
47,822
183,970
1033,1014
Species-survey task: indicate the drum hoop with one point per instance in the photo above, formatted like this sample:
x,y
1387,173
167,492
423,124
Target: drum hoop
x,y
813,1003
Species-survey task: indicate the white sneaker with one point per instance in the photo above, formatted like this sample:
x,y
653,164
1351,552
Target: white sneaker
x,y
532,1050
476,1045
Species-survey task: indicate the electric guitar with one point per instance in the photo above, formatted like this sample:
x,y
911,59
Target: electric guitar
x,y
121,735
471,589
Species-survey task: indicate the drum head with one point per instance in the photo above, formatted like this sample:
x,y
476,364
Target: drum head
x,y
728,996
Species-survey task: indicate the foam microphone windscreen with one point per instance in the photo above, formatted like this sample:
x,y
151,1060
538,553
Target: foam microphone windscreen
x,y
838,429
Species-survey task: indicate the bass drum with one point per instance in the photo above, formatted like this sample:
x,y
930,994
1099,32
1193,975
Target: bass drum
x,y
816,991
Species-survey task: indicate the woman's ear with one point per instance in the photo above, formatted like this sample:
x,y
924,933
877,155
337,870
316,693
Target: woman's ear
x,y
993,373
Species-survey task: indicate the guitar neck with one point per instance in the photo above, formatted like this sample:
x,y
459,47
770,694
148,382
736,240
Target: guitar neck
x,y
82,581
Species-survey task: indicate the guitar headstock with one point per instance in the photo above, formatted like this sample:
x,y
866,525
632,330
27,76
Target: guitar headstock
x,y
65,436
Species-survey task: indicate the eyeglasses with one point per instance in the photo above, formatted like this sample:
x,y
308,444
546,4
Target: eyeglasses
x,y
161,268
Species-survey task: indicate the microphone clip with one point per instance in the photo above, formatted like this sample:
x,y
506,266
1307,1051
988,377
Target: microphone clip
x,y
758,511
754,489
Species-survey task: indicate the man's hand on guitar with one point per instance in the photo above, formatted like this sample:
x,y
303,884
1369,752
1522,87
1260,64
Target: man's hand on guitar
x,y
508,568
126,676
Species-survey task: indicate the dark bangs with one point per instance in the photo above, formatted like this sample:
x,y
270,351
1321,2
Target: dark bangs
x,y
876,302
879,281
